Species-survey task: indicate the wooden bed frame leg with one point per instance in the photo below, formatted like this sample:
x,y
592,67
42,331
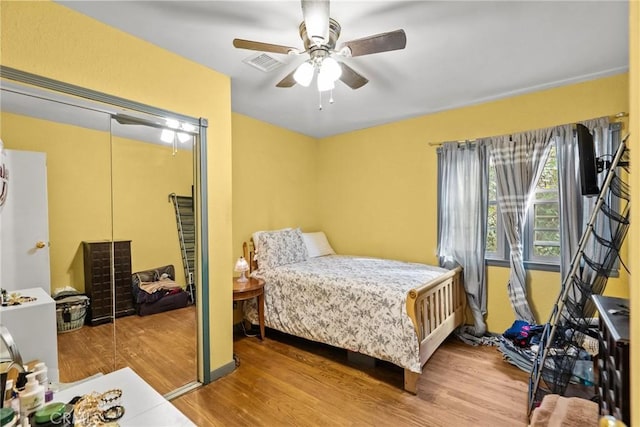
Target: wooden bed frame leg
x,y
411,381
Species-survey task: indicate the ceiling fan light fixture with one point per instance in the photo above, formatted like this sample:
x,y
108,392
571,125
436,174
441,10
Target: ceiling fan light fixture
x,y
167,136
325,82
188,127
183,137
173,123
304,74
331,68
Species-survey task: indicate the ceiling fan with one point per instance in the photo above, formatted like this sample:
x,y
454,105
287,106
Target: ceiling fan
x,y
319,34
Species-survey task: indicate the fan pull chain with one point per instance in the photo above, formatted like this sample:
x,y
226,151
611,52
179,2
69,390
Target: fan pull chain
x,y
320,100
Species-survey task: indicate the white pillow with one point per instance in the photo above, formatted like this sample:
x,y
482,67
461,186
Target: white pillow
x,y
317,244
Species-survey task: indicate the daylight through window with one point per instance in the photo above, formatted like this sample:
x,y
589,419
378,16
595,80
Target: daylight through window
x,y
541,239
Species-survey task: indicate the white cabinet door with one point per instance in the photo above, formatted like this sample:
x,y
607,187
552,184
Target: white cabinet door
x,y
24,224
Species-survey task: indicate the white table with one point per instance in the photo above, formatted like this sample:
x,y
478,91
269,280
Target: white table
x,y
143,405
33,328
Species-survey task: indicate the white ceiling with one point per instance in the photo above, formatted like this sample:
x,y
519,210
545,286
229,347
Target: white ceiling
x,y
458,52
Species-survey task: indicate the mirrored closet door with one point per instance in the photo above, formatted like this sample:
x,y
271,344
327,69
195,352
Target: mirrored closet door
x,y
69,146
152,170
122,231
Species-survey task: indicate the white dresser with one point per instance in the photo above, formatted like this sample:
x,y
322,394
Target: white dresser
x,y
143,405
34,330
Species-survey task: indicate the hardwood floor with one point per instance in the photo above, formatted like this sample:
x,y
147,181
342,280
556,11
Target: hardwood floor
x,y
161,348
288,381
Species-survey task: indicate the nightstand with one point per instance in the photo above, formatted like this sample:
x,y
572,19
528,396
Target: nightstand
x,y
253,287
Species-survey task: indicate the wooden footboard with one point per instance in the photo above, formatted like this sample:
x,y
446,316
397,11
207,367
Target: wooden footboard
x,y
436,309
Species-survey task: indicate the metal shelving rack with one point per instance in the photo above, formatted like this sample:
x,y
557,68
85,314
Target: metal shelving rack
x,y
185,221
570,324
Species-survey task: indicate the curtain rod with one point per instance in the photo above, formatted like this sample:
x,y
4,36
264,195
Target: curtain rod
x,y
617,116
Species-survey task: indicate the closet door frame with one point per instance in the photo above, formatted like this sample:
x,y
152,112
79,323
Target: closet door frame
x,y
143,114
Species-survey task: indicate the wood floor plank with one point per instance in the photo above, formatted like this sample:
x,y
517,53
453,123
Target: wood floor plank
x,y
288,381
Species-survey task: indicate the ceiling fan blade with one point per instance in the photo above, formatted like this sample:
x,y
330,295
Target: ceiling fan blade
x,y
383,42
288,81
351,77
263,47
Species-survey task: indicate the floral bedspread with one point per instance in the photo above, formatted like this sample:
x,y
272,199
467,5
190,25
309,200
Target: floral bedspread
x,y
354,303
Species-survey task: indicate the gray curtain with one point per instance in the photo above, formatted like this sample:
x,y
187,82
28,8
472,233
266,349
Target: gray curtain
x,y
518,160
462,214
575,209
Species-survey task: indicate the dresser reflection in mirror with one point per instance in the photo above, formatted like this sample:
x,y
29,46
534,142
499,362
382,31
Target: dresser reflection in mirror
x,y
107,264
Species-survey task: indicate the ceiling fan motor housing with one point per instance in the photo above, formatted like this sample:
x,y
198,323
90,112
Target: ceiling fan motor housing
x,y
316,51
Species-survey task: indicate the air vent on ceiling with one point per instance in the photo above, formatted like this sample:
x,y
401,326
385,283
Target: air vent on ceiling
x,y
263,62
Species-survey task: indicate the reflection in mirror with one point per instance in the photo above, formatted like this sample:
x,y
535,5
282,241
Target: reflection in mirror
x,y
110,219
10,361
9,351
148,165
69,147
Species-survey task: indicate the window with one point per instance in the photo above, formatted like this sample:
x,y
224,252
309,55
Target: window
x,y
495,235
541,238
544,216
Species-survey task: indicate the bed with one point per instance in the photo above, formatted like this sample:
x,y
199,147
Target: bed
x,y
155,291
391,310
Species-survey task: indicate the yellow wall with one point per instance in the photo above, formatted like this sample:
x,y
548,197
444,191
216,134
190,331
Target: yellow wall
x,y
47,39
377,187
274,179
634,234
